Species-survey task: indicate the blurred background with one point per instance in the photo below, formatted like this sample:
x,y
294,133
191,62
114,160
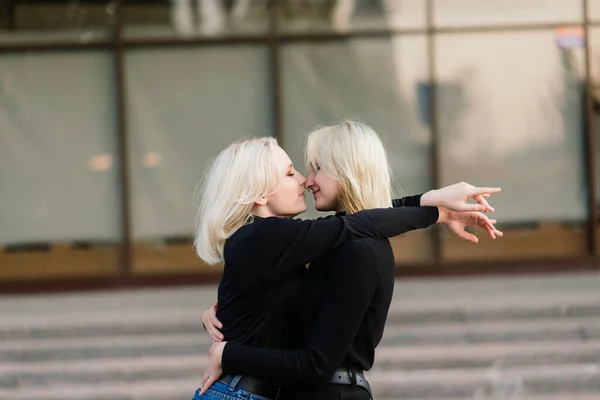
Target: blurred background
x,y
110,110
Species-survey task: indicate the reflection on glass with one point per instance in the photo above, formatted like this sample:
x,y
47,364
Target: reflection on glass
x,y
457,13
184,107
376,81
56,21
594,38
57,147
350,15
512,120
193,18
594,10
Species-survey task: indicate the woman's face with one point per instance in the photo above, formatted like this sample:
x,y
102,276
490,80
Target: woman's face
x,y
324,188
287,200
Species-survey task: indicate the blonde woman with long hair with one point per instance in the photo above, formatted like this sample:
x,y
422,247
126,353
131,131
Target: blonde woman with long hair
x,y
250,194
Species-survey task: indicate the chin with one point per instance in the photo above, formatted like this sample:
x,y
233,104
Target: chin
x,y
324,208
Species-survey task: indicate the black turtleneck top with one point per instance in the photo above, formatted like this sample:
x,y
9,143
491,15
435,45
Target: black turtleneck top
x,y
263,290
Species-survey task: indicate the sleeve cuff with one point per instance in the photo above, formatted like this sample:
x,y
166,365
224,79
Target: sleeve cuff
x,y
433,213
408,201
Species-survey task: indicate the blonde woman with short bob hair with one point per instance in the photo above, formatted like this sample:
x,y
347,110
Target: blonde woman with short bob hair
x,y
249,196
352,154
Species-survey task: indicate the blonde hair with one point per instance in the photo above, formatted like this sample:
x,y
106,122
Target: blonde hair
x,y
241,174
352,153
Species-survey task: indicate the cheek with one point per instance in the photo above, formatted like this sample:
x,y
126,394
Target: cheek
x,y
328,188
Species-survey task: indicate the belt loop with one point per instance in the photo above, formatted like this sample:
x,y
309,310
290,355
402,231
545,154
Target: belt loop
x,y
352,376
234,382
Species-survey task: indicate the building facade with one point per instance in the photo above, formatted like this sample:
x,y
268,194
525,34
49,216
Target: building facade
x,y
110,110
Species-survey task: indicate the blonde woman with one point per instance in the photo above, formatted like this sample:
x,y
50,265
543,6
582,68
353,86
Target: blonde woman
x,y
249,194
336,318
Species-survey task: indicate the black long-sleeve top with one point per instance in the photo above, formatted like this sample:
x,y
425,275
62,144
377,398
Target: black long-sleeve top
x,y
265,265
345,306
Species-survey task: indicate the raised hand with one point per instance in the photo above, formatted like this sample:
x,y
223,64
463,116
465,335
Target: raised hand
x,y
456,222
454,197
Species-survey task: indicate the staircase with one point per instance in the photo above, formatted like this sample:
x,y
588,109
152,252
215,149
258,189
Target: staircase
x,y
526,337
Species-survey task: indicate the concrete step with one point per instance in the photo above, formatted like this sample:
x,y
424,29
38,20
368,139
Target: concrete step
x,y
104,347
487,355
154,389
98,323
570,380
137,321
93,372
23,373
528,339
451,334
492,331
523,309
485,383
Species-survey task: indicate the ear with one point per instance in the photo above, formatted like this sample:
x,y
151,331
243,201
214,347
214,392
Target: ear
x,y
261,201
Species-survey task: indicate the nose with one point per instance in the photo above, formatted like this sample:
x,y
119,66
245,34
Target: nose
x,y
301,179
310,180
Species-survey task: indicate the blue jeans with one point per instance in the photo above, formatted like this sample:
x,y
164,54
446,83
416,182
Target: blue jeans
x,y
222,391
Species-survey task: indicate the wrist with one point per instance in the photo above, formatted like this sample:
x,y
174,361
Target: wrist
x,y
444,215
429,199
221,352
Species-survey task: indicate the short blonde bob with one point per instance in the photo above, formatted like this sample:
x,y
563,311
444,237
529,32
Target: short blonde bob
x,y
352,153
241,174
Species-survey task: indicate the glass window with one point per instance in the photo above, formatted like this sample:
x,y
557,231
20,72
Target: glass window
x,y
377,81
56,21
353,15
593,10
58,148
187,18
512,120
60,204
595,78
457,13
185,106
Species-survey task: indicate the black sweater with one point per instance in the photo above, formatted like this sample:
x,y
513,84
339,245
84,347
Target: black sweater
x,y
265,265
345,304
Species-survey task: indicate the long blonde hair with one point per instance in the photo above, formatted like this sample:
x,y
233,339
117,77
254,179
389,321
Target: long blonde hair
x,y
353,154
241,174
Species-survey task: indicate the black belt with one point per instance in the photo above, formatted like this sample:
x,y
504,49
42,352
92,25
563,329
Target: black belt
x,y
343,376
253,385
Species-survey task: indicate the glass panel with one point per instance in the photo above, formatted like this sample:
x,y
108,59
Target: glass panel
x,y
58,164
184,107
187,18
56,21
507,119
595,82
594,10
324,83
456,13
349,15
